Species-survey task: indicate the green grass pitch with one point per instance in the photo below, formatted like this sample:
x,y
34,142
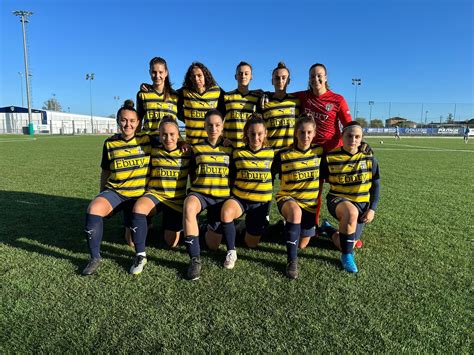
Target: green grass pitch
x,y
413,292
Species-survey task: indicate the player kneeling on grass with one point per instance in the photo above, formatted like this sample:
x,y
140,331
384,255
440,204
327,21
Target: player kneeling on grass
x,y
165,192
251,189
298,168
354,182
209,188
125,161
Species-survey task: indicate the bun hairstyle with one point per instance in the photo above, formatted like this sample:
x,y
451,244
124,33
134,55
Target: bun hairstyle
x,y
241,64
128,105
213,112
282,65
255,118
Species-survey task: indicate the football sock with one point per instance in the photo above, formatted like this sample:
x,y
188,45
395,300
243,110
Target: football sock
x,y
228,230
192,245
292,236
359,229
347,242
94,229
139,230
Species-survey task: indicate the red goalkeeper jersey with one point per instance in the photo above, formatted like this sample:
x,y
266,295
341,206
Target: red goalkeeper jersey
x,y
330,111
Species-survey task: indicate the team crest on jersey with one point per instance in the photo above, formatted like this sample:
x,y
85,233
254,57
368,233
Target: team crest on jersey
x,y
267,164
329,107
363,165
292,110
226,160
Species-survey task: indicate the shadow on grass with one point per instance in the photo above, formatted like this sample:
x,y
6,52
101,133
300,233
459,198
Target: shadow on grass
x,y
43,224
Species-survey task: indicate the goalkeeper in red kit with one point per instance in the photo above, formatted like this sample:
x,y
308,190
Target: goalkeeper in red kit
x,y
330,112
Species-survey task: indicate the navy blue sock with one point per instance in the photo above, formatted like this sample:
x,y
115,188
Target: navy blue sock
x,y
347,242
192,245
139,230
228,230
292,236
94,229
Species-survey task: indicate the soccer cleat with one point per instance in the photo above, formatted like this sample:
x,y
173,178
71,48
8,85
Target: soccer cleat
x,y
194,268
326,228
348,262
358,244
230,259
292,269
138,264
91,267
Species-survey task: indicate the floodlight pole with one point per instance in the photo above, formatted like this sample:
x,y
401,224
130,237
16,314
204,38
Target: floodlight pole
x,y
21,87
356,82
371,103
90,77
24,19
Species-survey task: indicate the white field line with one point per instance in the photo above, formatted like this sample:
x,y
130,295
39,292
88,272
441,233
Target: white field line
x,y
425,150
12,140
429,148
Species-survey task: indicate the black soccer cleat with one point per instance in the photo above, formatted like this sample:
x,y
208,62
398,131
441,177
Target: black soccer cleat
x,y
91,267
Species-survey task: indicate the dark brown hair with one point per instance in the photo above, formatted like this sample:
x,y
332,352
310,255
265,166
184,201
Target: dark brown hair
x,y
208,78
167,89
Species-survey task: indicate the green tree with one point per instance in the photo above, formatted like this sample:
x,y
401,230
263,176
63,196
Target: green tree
x,y
52,104
363,122
377,123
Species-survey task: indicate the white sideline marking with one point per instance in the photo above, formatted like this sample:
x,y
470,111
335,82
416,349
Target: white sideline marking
x,y
427,150
10,140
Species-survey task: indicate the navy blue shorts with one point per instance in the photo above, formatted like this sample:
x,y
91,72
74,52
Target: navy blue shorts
x,y
308,219
172,219
255,215
120,203
333,201
213,207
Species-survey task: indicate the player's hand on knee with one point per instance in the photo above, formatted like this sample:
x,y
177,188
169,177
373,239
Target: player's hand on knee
x,y
368,216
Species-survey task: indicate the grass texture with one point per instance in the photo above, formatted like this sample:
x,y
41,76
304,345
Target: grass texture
x,y
413,292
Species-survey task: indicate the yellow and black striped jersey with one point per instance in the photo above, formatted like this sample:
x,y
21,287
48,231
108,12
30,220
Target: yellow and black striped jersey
x,y
169,176
192,108
252,174
299,175
211,169
128,163
238,109
280,116
350,176
152,107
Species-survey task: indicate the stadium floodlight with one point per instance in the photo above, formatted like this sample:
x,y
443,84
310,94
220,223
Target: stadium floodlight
x,y
24,19
371,103
90,77
426,116
356,82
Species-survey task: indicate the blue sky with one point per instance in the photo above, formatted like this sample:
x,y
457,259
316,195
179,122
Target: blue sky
x,y
405,51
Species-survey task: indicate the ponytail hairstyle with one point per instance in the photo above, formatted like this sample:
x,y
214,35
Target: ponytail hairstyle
x,y
325,72
167,88
241,64
282,65
208,78
255,118
301,120
128,105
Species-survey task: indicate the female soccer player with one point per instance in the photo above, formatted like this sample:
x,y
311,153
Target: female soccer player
x,y
158,100
240,104
251,189
198,95
125,161
298,168
165,192
353,177
280,110
209,189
